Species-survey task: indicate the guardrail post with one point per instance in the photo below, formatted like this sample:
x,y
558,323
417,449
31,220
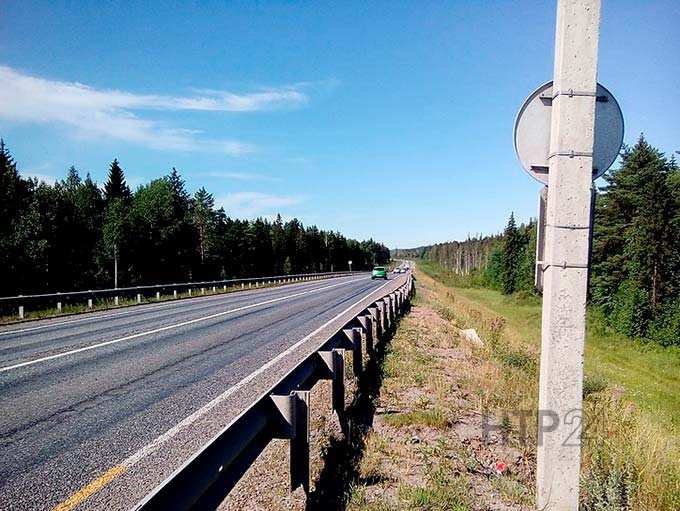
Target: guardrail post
x,y
202,290
370,334
294,425
21,312
189,291
387,313
158,295
382,319
366,321
334,362
115,300
89,303
375,323
213,289
174,293
139,298
59,307
224,288
354,336
299,444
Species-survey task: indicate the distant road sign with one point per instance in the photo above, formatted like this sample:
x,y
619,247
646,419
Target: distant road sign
x,y
532,132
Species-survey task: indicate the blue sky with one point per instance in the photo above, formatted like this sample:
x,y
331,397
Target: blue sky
x,y
390,120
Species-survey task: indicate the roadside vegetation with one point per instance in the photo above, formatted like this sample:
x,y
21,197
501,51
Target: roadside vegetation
x,y
635,268
631,393
632,356
427,450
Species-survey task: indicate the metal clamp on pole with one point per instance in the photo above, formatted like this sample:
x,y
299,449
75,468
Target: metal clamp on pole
x,y
571,154
563,265
548,98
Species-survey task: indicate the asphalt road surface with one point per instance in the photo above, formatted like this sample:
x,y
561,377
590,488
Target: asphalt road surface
x,y
97,409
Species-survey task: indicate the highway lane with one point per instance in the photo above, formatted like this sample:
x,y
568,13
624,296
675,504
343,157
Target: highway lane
x,y
25,342
80,397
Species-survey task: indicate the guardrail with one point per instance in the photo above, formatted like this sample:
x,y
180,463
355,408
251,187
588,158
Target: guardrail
x,y
59,299
283,411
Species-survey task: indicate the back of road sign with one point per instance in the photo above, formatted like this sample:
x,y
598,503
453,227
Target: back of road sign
x,y
532,132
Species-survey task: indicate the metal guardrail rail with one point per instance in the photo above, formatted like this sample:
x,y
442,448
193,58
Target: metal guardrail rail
x,y
22,301
283,411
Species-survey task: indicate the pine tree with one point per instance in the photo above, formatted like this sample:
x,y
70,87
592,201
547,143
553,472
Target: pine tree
x,y
635,241
180,196
19,227
278,245
72,181
510,256
116,187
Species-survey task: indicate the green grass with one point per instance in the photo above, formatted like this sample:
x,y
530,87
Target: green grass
x,y
650,374
629,459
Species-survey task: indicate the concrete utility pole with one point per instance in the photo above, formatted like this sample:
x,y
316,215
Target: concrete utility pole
x,y
566,253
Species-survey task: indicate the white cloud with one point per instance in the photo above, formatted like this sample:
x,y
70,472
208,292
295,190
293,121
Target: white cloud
x,y
254,204
39,172
43,178
110,114
238,176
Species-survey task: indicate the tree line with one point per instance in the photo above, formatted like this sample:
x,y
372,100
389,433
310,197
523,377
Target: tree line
x,y
635,265
72,235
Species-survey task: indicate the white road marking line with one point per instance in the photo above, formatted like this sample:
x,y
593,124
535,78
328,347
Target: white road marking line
x,y
169,327
153,446
195,299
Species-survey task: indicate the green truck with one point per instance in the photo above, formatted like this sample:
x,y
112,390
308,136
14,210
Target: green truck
x,y
379,272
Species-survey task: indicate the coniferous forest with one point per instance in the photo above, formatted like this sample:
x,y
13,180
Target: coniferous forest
x,y
66,236
635,265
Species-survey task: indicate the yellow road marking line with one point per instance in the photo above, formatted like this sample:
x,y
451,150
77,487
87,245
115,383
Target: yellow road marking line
x,y
93,487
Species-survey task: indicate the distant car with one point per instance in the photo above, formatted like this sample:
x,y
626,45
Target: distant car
x,y
396,270
379,272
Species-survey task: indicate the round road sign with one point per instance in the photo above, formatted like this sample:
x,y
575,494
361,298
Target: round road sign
x,y
532,132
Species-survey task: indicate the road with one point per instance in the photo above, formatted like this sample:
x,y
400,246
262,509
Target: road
x,y
98,409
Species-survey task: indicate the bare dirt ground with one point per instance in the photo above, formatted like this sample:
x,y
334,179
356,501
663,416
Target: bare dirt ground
x,y
427,448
